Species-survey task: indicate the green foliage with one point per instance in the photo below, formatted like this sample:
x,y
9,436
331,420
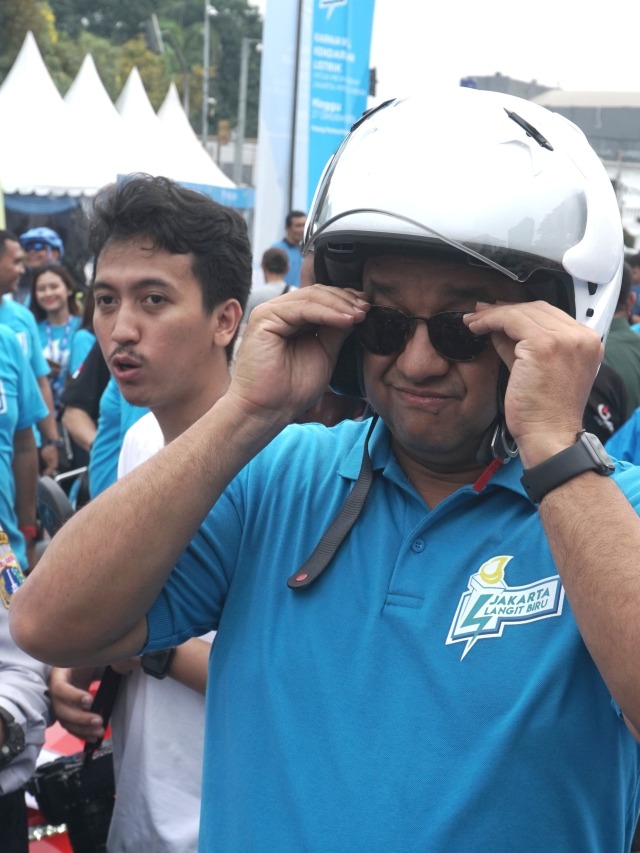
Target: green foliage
x,y
113,31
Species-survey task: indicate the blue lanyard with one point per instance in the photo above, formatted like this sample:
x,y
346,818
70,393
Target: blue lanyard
x,y
63,343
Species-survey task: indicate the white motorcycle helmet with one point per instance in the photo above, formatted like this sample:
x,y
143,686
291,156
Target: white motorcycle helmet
x,y
490,178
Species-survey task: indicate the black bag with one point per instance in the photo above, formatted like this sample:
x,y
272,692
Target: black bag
x,y
79,790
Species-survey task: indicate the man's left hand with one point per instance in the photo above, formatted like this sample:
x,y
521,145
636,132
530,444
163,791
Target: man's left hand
x,y
553,361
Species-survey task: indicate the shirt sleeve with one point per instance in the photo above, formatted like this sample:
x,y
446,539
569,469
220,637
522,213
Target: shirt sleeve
x,y
36,356
191,601
31,406
23,693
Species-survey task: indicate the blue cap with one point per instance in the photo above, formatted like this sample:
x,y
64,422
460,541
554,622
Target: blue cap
x,y
48,236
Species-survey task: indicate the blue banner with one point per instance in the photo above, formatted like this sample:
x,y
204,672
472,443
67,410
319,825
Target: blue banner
x,y
313,86
338,78
241,198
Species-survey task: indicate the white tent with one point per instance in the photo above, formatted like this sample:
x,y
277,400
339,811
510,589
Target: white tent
x,y
43,147
196,166
146,149
54,150
164,144
90,103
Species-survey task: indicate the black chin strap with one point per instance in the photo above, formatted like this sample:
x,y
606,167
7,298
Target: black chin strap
x,y
341,525
497,442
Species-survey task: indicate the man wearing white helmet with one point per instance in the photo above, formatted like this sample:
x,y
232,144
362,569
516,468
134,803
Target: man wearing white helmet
x,y
454,666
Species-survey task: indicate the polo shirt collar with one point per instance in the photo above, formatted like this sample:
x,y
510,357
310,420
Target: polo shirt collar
x,y
383,459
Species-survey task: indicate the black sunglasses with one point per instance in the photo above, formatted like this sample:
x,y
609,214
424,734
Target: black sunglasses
x,y
386,331
37,245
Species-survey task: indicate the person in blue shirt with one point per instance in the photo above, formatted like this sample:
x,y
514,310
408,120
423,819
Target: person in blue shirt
x,y
21,321
291,243
115,417
427,621
42,245
634,264
21,406
54,307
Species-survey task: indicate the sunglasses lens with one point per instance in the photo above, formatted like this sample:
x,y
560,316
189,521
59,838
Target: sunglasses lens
x,y
452,339
384,331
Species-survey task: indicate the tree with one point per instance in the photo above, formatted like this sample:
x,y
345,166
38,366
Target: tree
x,y
17,18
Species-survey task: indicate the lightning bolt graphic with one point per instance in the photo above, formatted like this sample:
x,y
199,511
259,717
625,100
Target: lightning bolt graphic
x,y
471,619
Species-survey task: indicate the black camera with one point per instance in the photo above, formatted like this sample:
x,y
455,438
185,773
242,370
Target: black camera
x,y
78,790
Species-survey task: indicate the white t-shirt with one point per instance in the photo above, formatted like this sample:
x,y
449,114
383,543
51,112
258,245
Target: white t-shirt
x,y
158,732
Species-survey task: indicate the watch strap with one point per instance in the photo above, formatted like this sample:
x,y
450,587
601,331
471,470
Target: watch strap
x,y
587,454
52,442
156,664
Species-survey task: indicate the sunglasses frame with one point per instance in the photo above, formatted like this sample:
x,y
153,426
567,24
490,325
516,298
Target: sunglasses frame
x,y
410,323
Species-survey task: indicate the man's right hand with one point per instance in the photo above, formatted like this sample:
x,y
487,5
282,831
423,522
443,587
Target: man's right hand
x,y
289,349
71,701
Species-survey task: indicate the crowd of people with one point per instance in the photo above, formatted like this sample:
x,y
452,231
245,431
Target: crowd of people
x,y
367,578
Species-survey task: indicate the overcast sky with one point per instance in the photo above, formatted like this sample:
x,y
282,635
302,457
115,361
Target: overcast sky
x,y
573,44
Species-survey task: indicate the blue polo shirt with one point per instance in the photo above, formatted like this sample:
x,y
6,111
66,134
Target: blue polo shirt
x,y
116,416
430,692
21,406
23,324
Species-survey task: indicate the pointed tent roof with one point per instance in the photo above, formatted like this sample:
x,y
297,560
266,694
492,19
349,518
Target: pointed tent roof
x,y
164,146
32,159
147,149
87,94
89,101
198,167
73,146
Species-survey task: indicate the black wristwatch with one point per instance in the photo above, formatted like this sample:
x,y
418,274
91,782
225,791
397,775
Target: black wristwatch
x,y
14,743
157,664
587,454
56,442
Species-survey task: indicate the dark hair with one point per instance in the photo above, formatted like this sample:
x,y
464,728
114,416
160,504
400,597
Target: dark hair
x,y
276,261
625,287
63,273
293,214
88,307
180,221
4,237
633,260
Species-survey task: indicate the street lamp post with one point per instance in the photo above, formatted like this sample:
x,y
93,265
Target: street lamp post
x,y
209,12
242,106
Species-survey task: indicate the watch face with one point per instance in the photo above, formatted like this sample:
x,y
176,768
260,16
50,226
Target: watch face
x,y
600,455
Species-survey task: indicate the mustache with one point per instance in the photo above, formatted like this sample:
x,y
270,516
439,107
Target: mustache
x,y
125,352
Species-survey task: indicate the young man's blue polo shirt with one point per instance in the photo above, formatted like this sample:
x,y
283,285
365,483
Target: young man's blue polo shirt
x,y
23,323
429,692
116,416
21,406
